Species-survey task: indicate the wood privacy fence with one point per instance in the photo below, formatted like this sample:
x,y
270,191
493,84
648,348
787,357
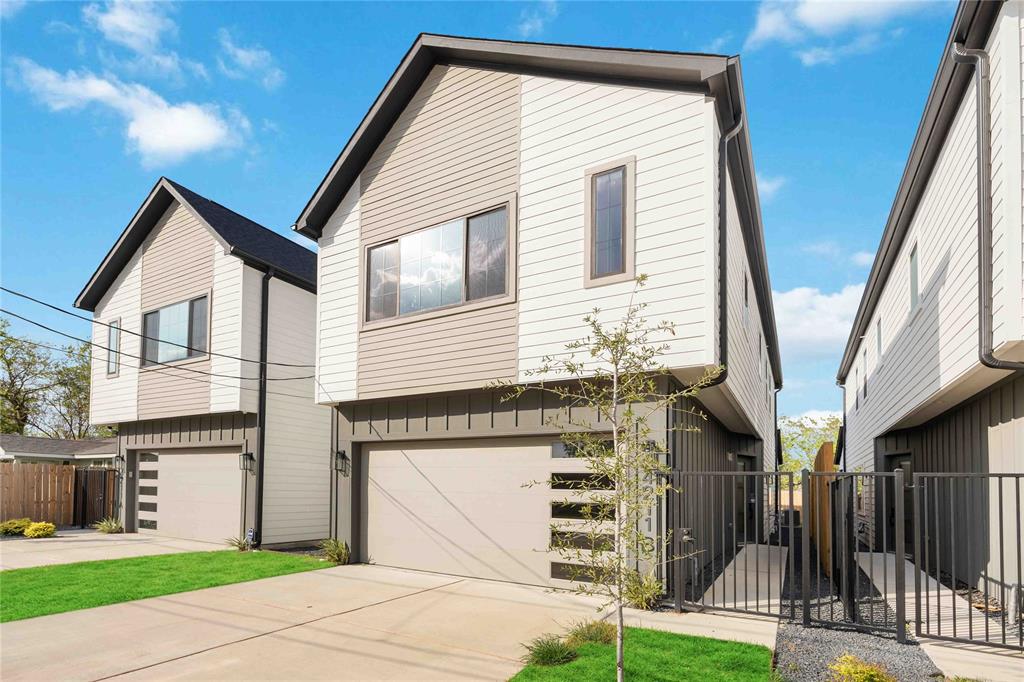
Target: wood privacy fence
x,y
59,493
819,516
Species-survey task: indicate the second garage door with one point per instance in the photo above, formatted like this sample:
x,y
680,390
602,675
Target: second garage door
x,y
461,507
195,494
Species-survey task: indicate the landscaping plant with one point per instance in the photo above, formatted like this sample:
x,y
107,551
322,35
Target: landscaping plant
x,y
14,526
849,668
615,383
549,650
335,551
108,525
40,529
590,631
239,543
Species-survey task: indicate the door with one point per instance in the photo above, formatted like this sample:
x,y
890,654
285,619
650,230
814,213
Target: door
x,y
747,490
902,461
190,493
479,508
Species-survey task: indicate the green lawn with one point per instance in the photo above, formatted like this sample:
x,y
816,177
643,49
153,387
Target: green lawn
x,y
661,656
31,592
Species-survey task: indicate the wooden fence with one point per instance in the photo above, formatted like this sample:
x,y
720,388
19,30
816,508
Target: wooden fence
x,y
58,493
819,515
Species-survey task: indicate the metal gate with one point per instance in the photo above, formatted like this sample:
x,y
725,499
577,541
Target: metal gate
x,y
94,495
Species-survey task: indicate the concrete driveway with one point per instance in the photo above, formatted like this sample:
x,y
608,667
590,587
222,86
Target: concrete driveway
x,y
351,622
69,546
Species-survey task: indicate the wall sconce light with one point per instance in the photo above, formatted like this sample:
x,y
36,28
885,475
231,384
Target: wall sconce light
x,y
247,462
342,463
119,464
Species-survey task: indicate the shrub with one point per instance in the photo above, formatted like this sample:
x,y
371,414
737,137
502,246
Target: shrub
x,y
108,525
548,650
41,529
335,551
596,631
642,591
14,526
849,668
239,543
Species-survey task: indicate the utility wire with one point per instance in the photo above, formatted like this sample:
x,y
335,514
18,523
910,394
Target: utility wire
x,y
177,376
148,338
138,357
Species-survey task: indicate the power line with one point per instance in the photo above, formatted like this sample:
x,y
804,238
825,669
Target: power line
x,y
148,338
138,357
177,376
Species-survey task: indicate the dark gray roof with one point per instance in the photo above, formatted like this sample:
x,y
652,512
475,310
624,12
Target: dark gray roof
x,y
258,246
13,443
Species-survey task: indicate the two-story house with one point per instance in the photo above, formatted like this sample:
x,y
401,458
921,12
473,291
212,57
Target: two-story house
x,y
203,359
496,193
933,371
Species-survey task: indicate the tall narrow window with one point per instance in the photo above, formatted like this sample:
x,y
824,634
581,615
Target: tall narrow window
x,y
864,355
487,255
878,339
608,255
113,346
856,393
175,332
914,294
382,287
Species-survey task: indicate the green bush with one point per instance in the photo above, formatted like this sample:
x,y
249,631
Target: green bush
x,y
548,650
849,668
596,631
41,529
14,526
335,551
642,591
108,525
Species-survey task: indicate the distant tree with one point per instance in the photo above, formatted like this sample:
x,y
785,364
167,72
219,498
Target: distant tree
x,y
803,436
64,408
25,378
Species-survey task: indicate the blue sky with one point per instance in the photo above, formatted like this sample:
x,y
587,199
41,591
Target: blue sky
x,y
249,103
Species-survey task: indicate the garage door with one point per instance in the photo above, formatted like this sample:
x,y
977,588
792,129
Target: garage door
x,y
194,494
461,507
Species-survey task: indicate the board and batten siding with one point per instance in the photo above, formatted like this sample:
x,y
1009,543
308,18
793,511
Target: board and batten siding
x,y
114,398
298,439
568,127
453,150
931,348
177,264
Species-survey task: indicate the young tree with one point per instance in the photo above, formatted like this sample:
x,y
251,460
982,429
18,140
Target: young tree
x,y
615,379
25,377
802,436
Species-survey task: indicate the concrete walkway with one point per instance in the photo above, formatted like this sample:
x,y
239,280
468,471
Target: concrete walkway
x,y
941,611
350,622
69,546
752,580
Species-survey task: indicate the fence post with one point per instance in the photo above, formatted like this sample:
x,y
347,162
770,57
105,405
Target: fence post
x,y
901,562
805,544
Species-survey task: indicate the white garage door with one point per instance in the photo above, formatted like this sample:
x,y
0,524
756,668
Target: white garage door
x,y
461,507
192,493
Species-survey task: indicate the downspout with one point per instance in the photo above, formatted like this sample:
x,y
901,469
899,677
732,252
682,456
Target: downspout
x,y
723,250
979,58
261,417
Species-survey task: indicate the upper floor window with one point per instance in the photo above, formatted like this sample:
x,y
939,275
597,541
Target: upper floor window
x,y
113,346
445,265
914,294
878,339
864,356
175,332
609,228
856,393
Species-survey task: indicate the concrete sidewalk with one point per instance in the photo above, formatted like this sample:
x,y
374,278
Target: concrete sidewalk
x,y
752,581
70,546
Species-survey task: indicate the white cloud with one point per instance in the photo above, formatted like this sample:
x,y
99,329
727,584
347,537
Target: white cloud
x,y
719,43
774,22
8,8
862,259
159,132
828,17
814,325
248,63
768,186
833,53
534,20
826,249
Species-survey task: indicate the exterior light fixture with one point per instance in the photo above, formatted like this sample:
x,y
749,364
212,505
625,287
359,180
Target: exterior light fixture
x,y
119,464
342,463
247,462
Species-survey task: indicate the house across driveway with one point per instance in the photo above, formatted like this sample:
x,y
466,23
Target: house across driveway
x,y
70,546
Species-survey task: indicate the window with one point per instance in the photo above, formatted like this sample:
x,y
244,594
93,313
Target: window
x,y
113,346
856,393
746,299
459,261
865,357
878,339
580,481
609,222
175,332
914,294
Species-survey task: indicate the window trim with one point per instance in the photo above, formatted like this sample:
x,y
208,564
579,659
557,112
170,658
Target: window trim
x,y
115,322
914,278
509,202
208,295
628,163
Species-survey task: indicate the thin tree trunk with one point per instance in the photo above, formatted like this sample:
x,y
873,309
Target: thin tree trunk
x,y
619,628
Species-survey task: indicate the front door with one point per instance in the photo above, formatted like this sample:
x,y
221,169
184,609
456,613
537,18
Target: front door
x,y
902,461
747,490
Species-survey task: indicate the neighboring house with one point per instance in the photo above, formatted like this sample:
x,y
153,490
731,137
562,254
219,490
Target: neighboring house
x,y
188,301
494,195
932,372
89,452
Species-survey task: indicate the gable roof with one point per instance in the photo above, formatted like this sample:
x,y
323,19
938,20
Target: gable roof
x,y
971,26
715,75
12,443
254,244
